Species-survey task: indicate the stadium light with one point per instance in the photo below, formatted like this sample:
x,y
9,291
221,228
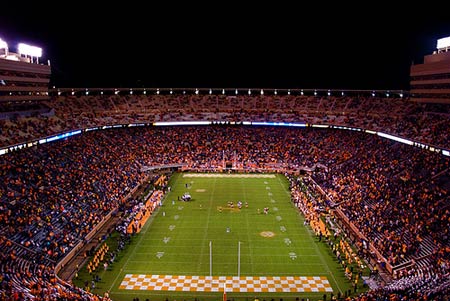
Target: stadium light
x,y
210,91
249,92
443,43
236,91
4,45
262,92
275,92
29,50
157,91
289,92
302,93
315,93
223,91
329,93
196,91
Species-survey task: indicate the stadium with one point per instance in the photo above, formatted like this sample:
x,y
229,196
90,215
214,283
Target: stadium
x,y
241,194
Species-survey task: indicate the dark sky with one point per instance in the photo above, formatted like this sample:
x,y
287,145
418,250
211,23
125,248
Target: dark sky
x,y
223,44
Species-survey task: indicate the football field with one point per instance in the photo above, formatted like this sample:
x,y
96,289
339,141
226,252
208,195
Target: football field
x,y
239,232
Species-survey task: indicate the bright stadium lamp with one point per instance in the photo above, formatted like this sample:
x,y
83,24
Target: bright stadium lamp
x,y
31,51
443,43
23,49
3,44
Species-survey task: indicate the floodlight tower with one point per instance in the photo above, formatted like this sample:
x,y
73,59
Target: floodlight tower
x,y
20,79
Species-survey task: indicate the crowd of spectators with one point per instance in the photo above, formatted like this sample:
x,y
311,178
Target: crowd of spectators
x,y
397,196
399,116
427,280
52,195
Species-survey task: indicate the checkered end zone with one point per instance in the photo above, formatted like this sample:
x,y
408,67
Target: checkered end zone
x,y
289,284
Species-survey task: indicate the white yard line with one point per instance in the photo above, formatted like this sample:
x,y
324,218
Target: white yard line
x,y
284,188
129,257
248,232
323,261
205,232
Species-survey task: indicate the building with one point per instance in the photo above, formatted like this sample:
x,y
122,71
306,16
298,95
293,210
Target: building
x,y
430,81
24,82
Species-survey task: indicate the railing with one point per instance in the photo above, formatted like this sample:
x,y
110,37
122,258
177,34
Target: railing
x,y
356,233
350,226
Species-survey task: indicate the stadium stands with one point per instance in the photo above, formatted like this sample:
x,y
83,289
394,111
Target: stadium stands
x,y
398,116
396,195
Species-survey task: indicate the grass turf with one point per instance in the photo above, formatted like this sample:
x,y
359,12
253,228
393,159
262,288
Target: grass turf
x,y
176,239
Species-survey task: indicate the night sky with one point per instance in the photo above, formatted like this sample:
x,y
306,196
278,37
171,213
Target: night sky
x,y
222,44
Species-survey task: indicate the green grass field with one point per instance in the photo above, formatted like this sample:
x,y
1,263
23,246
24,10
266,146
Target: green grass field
x,y
176,240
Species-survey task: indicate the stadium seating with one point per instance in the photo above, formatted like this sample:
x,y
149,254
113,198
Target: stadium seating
x,y
396,195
